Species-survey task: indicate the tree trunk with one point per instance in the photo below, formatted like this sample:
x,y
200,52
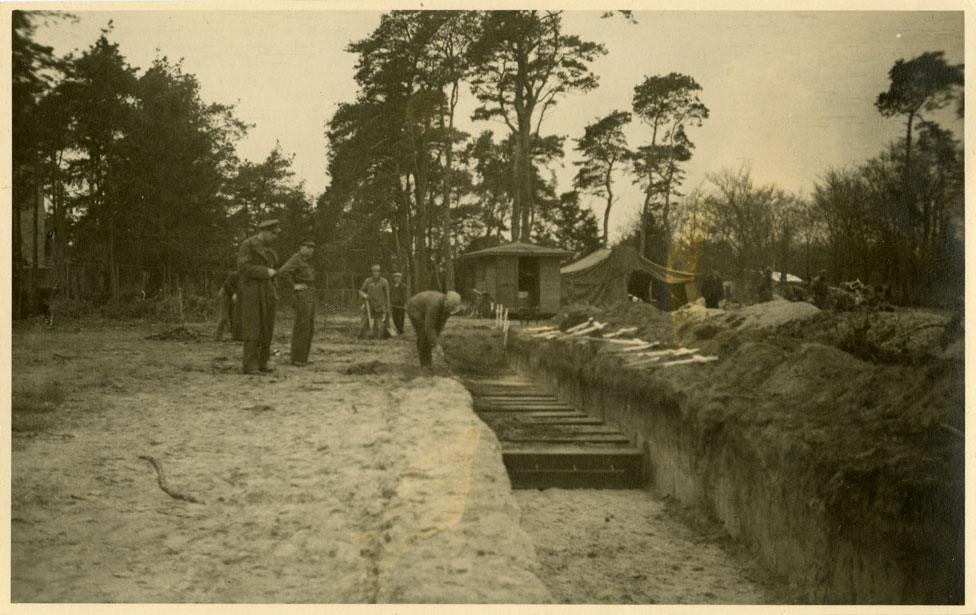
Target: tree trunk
x,y
406,224
17,262
907,231
528,187
421,181
448,188
645,211
419,240
516,194
606,213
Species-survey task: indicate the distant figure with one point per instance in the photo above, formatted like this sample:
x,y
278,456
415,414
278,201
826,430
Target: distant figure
x,y
375,291
45,297
428,312
299,272
398,301
766,285
229,317
256,263
819,290
712,289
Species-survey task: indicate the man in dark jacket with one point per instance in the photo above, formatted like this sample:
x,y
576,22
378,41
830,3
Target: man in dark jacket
x,y
765,285
398,301
299,272
428,312
712,289
256,263
820,290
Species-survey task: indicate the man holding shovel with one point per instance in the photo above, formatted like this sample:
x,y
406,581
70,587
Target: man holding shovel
x,y
375,292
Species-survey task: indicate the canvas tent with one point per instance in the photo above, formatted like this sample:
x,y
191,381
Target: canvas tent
x,y
610,275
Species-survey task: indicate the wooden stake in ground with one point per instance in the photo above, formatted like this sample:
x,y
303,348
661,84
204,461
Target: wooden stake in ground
x,y
161,478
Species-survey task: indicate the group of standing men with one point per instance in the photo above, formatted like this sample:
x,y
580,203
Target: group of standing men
x,y
382,302
250,297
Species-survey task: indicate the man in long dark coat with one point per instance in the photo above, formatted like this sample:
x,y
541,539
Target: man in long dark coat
x,y
256,263
298,271
820,290
428,312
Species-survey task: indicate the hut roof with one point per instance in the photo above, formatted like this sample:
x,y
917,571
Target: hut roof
x,y
519,248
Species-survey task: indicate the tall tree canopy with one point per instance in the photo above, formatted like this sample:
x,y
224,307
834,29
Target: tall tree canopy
x,y
139,172
925,83
394,150
668,105
522,63
604,147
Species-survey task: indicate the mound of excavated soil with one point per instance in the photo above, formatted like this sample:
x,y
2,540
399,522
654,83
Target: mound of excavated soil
x,y
864,410
903,336
472,347
769,315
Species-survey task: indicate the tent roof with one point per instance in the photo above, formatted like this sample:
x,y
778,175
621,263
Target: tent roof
x,y
624,259
789,277
587,261
519,248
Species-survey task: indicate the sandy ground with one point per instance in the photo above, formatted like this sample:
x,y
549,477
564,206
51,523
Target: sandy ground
x,y
628,547
355,479
318,485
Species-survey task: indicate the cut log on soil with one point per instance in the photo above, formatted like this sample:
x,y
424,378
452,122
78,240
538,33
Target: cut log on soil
x,y
164,485
619,332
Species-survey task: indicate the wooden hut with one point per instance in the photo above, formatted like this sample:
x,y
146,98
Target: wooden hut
x,y
521,276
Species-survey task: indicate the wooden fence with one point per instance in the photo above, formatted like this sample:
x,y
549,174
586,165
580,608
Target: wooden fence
x,y
92,282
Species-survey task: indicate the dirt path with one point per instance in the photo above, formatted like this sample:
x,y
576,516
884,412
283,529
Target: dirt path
x,y
624,547
318,485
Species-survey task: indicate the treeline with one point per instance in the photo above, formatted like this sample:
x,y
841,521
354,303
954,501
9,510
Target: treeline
x,y
421,189
896,219
138,170
402,173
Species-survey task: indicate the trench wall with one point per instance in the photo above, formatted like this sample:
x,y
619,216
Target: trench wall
x,y
754,493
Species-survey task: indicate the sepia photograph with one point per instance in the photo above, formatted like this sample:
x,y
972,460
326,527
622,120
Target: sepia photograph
x,y
317,304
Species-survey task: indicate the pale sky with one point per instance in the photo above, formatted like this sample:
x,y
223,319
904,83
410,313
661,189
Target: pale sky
x,y
790,94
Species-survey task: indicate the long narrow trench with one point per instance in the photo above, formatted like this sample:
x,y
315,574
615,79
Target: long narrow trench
x,y
600,534
548,443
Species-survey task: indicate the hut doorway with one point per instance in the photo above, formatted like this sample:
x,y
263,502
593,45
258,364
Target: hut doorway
x,y
528,282
639,285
